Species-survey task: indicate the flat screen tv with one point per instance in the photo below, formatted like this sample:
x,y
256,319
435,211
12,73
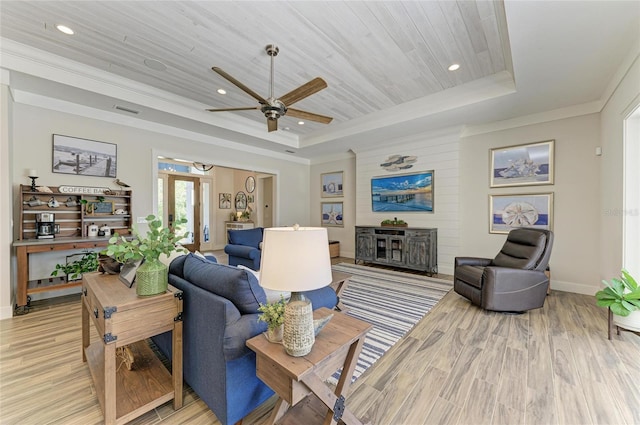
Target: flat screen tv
x,y
406,192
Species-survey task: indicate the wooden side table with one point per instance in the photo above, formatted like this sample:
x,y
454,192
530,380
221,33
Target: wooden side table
x,y
294,378
122,318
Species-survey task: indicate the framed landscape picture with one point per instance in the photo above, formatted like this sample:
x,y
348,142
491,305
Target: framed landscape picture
x,y
507,212
72,155
404,192
331,214
522,165
331,184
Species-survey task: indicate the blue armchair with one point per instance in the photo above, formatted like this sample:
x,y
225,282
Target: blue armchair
x,y
244,247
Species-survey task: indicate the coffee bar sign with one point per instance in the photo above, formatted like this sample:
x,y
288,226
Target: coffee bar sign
x,y
85,190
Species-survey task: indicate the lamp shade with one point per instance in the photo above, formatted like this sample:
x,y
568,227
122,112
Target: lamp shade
x,y
295,259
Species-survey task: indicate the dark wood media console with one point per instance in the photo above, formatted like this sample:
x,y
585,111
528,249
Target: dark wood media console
x,y
408,247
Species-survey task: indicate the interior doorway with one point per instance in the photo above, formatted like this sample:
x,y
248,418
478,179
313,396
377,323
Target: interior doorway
x,y
184,203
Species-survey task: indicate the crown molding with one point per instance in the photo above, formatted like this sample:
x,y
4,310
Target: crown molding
x,y
45,102
490,87
28,60
546,116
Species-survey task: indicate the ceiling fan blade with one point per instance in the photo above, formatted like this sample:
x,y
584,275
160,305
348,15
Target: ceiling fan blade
x,y
248,108
309,116
238,84
303,91
272,125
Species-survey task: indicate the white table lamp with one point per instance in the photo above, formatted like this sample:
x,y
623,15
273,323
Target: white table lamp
x,y
296,259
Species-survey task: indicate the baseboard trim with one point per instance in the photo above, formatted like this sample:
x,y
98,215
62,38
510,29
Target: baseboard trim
x,y
576,288
6,312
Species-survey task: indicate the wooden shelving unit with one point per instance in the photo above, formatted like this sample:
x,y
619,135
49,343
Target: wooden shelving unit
x,y
73,217
72,213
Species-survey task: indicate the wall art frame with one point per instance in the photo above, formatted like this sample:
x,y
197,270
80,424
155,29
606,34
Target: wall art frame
x,y
508,212
331,214
331,184
413,192
522,165
74,155
224,201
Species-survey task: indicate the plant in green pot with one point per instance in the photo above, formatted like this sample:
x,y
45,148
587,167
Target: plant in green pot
x,y
152,275
622,296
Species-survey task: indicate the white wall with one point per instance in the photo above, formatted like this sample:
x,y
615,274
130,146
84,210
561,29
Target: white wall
x,y
624,99
137,152
438,152
575,256
6,168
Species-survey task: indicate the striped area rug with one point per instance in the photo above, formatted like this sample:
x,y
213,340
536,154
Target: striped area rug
x,y
393,302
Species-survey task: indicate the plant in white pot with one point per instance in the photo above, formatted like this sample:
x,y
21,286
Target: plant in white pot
x,y
152,275
622,296
273,316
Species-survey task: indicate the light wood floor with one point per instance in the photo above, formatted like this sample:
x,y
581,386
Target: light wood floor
x,y
459,365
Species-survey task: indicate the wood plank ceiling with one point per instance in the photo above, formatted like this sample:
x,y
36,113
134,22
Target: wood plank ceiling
x,y
373,55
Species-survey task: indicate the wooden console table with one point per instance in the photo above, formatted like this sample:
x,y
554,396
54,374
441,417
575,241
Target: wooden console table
x,y
32,246
122,318
298,381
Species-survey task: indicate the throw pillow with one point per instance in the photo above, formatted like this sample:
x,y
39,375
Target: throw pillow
x,y
272,294
242,289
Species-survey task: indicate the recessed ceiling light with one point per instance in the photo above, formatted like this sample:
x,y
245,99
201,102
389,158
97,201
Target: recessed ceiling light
x,y
65,29
155,64
222,91
454,67
287,128
300,122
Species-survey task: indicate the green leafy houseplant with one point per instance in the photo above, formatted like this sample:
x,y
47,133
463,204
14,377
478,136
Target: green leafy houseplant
x,y
152,275
272,313
621,295
87,263
159,240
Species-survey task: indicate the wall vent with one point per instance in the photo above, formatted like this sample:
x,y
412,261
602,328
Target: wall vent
x,y
124,109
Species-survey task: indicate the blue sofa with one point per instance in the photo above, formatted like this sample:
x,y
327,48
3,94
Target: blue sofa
x,y
220,312
244,247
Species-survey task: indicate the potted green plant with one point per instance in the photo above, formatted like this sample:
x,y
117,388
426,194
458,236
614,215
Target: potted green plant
x,y
152,275
74,270
273,316
622,296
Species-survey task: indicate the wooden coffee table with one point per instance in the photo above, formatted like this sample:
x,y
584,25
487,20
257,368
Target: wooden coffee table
x,y
295,379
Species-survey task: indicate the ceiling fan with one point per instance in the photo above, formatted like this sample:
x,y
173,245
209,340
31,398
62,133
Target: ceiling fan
x,y
273,108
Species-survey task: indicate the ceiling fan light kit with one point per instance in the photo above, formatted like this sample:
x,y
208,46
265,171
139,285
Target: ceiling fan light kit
x,y
272,107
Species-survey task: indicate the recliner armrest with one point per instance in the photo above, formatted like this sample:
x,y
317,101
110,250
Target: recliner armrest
x,y
505,279
472,261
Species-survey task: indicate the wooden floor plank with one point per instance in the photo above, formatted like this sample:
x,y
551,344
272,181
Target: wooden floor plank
x,y
553,365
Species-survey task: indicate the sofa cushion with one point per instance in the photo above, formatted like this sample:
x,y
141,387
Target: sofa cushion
x,y
236,285
248,237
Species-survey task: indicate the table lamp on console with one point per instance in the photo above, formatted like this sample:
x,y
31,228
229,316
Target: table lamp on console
x,y
296,259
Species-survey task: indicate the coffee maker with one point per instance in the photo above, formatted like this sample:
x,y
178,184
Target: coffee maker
x,y
46,228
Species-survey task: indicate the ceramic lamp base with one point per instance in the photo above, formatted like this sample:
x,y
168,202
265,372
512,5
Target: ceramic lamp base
x,y
298,336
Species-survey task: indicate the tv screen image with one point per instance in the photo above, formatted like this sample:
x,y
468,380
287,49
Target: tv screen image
x,y
406,192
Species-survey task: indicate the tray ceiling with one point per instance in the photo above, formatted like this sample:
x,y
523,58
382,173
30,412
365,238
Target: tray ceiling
x,y
380,59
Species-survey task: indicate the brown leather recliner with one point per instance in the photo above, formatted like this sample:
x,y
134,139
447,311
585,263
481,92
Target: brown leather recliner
x,y
514,280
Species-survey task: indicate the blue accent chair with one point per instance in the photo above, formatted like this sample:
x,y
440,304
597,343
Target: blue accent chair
x,y
244,247
220,312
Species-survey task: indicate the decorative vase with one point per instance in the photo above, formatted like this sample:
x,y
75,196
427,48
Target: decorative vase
x,y
152,278
275,334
